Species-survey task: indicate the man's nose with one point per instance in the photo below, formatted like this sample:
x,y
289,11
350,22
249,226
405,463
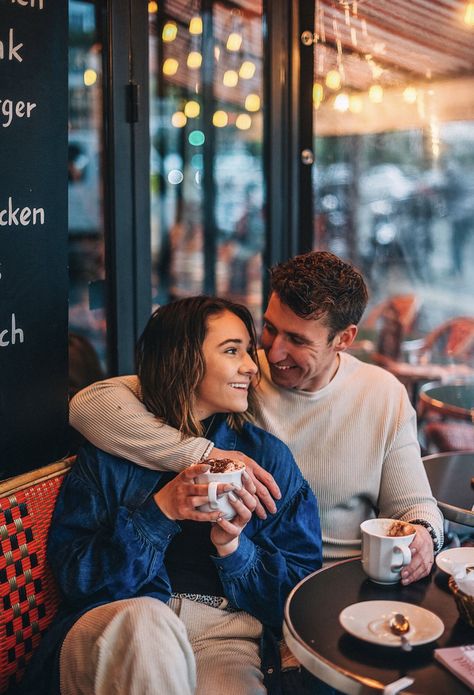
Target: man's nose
x,y
277,350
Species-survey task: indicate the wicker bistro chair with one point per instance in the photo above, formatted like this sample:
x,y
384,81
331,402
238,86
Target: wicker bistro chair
x,y
28,594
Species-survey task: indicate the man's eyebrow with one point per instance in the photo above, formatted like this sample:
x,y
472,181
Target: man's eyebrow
x,y
298,336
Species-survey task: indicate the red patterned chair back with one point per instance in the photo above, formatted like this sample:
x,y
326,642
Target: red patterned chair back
x,y
28,594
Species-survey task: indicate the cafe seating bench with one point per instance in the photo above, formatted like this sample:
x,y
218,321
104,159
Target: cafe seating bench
x,y
29,597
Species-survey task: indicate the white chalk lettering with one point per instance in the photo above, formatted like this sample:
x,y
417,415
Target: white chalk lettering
x,y
12,334
28,3
14,217
20,109
13,51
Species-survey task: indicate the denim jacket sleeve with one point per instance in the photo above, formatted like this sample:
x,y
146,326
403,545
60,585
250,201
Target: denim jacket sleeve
x,y
106,547
285,548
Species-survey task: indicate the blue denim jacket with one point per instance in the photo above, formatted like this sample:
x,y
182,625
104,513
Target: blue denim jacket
x,y
108,539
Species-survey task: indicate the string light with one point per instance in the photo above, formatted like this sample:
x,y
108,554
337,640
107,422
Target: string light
x,y
178,119
356,104
192,109
230,78
318,93
341,102
243,121
170,66
152,7
220,119
247,70
234,41
195,25
252,102
194,60
90,77
410,95
469,14
376,94
333,79
170,31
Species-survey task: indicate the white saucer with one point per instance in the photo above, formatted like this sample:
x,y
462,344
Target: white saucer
x,y
369,621
455,556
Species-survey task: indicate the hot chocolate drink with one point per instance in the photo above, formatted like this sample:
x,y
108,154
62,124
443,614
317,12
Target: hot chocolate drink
x,y
223,465
401,528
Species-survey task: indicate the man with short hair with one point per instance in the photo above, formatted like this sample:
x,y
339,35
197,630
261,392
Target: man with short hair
x,y
349,425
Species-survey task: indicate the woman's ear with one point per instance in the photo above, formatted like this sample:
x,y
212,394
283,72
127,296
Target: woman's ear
x,y
345,338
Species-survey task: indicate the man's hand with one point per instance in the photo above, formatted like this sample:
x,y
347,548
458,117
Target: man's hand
x,y
422,556
265,484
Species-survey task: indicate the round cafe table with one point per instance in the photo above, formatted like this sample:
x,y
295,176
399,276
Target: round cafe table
x,y
453,399
313,633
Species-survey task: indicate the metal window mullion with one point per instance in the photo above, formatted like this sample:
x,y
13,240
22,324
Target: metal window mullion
x,y
209,150
127,176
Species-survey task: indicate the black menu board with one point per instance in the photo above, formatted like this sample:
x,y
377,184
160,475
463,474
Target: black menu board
x,y
33,232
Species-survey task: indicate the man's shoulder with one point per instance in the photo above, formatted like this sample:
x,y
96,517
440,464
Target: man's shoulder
x,y
367,373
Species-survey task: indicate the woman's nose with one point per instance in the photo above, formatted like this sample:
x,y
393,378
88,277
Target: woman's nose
x,y
249,366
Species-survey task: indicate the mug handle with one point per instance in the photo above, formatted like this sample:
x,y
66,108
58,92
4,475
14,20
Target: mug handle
x,y
406,557
212,494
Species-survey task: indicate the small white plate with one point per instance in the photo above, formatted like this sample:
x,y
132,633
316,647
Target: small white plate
x,y
452,557
369,621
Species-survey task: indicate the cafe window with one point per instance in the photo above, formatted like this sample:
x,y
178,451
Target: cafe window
x,y
85,192
393,179
206,160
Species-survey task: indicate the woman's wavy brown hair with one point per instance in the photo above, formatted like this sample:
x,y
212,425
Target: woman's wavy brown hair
x,y
170,362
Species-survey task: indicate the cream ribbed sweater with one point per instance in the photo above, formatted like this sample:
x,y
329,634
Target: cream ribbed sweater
x,y
355,441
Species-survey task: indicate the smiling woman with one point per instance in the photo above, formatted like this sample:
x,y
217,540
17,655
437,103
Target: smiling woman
x,y
171,598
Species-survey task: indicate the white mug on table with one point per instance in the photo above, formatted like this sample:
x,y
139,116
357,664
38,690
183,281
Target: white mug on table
x,y
384,555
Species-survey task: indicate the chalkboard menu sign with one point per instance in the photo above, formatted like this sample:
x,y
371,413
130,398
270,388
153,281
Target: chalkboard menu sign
x,y
33,232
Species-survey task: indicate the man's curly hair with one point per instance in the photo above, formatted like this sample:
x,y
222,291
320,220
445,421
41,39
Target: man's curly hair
x,y
319,285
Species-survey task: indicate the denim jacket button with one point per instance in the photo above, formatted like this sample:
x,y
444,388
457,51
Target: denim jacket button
x,y
270,670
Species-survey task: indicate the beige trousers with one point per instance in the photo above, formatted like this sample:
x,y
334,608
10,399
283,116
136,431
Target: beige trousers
x,y
142,646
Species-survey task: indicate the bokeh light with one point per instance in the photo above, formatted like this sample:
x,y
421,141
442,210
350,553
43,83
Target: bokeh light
x,y
170,31
252,102
243,121
220,119
170,66
196,138
90,77
192,109
178,119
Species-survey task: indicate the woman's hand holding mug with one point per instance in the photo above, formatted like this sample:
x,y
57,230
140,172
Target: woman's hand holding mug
x,y
225,534
180,498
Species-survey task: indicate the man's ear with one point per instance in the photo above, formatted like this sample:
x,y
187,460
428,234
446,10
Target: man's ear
x,y
345,338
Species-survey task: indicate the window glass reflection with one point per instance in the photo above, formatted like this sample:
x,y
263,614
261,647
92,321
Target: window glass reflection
x,y
86,224
206,150
394,144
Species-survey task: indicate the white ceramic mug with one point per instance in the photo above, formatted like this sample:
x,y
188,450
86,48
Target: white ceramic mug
x,y
383,556
220,502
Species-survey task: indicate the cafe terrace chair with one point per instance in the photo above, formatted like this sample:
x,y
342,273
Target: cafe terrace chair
x,y
450,344
28,594
388,323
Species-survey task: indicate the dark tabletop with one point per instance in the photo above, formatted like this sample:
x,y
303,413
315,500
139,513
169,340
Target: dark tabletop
x,y
450,477
312,617
455,399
